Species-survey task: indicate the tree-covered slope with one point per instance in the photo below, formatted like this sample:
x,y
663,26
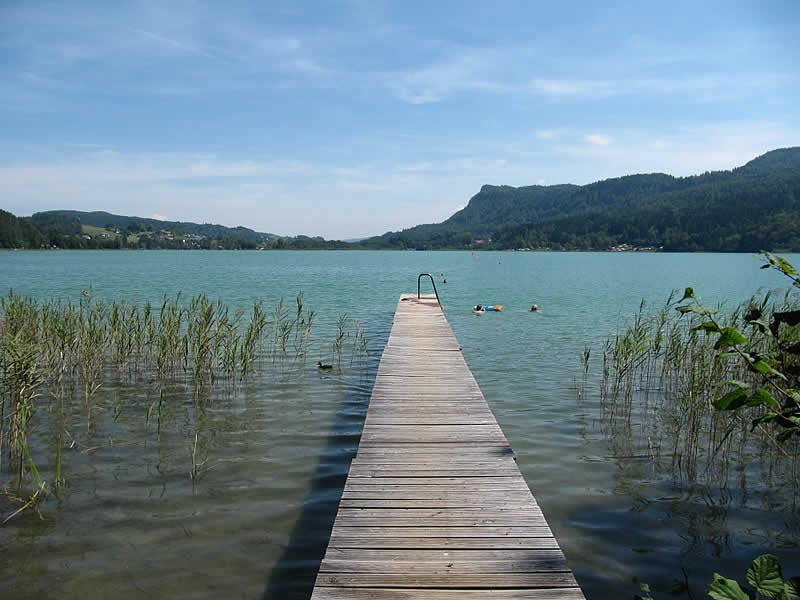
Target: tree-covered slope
x,y
719,217
136,224
19,233
751,207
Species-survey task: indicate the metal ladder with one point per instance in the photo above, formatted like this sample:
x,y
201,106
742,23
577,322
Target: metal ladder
x,y
433,283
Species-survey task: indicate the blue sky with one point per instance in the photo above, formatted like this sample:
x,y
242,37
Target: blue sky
x,y
347,119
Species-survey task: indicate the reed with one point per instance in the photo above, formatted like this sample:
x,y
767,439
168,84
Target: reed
x,y
341,335
660,378
252,338
53,351
22,378
279,317
302,327
198,453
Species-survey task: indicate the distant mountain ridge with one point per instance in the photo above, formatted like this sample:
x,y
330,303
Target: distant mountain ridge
x,y
752,206
111,221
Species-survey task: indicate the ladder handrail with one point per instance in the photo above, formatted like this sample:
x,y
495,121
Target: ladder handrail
x,y
433,283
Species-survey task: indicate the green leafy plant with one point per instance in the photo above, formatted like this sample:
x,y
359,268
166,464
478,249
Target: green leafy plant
x,y
771,353
766,578
764,575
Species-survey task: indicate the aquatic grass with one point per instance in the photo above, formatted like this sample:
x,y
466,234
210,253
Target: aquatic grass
x,y
659,381
170,342
279,317
252,338
359,348
199,456
54,351
21,378
303,325
30,501
341,334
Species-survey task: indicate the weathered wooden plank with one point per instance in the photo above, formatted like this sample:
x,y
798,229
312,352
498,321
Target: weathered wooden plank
x,y
410,407
500,464
461,449
427,513
485,521
413,460
437,490
431,436
351,593
454,532
540,563
504,543
444,555
348,593
456,498
429,471
373,484
442,451
458,581
423,419
452,502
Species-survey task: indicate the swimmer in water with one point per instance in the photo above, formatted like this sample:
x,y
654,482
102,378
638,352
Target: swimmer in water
x,y
535,308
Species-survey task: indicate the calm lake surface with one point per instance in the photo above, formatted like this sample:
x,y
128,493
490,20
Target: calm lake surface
x,y
131,524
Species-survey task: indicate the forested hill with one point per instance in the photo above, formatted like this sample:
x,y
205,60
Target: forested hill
x,y
18,233
76,229
756,206
110,221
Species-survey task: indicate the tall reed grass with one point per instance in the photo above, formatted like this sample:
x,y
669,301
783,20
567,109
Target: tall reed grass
x,y
659,380
54,350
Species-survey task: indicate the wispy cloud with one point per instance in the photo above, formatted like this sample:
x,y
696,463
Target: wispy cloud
x,y
174,44
549,134
569,87
599,139
462,70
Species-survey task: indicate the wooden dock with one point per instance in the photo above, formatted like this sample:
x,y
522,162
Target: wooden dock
x,y
434,505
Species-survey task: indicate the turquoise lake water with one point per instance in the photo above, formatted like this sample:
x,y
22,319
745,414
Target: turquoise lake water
x,y
130,522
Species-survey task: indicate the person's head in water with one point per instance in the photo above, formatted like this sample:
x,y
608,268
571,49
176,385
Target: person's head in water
x,y
478,307
535,308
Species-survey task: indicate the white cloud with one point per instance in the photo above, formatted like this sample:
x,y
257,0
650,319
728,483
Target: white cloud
x,y
599,139
568,87
549,134
461,70
171,44
159,217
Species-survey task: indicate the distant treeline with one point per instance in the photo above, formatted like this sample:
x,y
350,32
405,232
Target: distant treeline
x,y
100,230
754,207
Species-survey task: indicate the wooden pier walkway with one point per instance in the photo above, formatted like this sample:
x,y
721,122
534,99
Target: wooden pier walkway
x,y
434,505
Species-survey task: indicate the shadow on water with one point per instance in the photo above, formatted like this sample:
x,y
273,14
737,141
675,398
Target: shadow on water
x,y
294,574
